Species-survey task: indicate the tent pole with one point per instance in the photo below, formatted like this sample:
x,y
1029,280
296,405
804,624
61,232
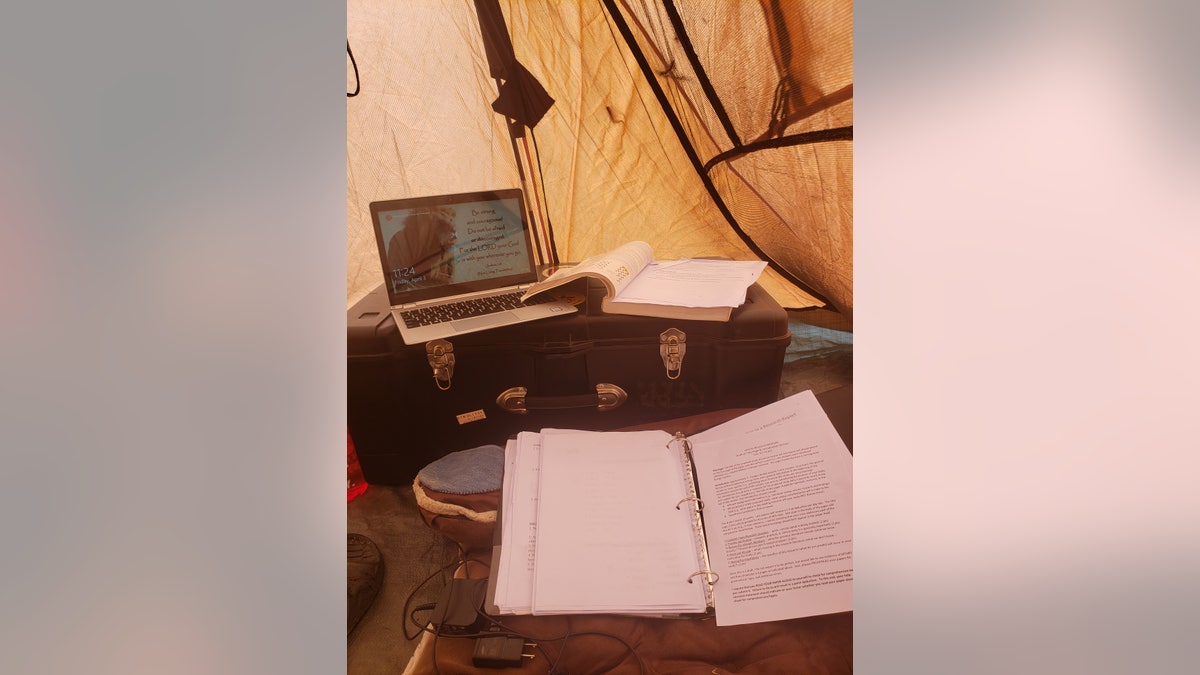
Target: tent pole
x,y
546,230
522,101
534,201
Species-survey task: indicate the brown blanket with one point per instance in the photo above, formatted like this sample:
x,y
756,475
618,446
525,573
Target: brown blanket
x,y
585,644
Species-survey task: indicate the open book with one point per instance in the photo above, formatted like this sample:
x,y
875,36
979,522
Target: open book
x,y
750,519
689,288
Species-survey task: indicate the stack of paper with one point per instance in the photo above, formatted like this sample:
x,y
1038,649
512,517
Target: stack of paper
x,y
603,531
692,282
513,572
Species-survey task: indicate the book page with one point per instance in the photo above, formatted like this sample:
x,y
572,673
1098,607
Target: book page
x,y
610,538
615,268
776,485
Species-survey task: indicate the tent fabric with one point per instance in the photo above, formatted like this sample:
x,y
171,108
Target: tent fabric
x,y
703,128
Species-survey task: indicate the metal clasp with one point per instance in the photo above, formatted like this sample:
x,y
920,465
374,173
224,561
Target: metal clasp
x,y
673,345
441,359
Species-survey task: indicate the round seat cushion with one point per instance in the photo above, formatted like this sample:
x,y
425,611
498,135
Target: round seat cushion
x,y
458,495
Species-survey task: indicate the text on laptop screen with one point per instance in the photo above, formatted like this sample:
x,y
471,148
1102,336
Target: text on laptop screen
x,y
438,249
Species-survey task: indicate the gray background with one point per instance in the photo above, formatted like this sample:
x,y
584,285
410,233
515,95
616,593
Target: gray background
x,y
172,270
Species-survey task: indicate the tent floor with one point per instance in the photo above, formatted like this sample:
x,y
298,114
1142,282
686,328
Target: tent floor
x,y
820,359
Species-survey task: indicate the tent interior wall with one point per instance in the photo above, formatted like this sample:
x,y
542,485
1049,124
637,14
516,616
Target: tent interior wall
x,y
734,141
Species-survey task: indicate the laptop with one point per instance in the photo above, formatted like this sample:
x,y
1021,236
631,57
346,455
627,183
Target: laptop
x,y
457,264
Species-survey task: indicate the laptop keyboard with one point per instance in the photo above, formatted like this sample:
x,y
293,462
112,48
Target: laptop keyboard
x,y
424,316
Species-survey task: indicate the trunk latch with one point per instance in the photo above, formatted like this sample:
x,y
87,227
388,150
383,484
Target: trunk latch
x,y
672,345
441,359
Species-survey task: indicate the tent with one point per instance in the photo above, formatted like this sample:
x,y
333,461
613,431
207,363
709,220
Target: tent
x,y
705,128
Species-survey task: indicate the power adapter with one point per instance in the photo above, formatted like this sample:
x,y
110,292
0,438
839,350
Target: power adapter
x,y
457,611
499,651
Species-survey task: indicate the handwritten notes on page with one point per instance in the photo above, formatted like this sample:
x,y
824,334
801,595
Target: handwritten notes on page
x,y
609,536
593,514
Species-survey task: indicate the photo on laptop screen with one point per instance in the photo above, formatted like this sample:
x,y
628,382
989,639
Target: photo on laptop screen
x,y
439,246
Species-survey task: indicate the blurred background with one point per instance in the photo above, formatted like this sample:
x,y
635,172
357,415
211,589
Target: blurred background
x,y
172,281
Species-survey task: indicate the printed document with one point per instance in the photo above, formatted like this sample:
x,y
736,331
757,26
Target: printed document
x,y
693,282
776,485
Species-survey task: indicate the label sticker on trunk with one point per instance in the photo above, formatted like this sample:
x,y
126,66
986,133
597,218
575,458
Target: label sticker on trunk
x,y
473,416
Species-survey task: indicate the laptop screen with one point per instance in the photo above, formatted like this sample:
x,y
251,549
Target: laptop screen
x,y
440,246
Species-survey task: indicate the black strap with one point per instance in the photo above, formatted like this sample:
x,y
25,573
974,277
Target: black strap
x,y
355,64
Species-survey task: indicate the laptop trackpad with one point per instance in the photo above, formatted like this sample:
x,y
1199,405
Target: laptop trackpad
x,y
477,322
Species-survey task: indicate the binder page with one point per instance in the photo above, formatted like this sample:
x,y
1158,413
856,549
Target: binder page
x,y
518,529
776,485
609,536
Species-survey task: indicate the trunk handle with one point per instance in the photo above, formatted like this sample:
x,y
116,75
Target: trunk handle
x,y
517,400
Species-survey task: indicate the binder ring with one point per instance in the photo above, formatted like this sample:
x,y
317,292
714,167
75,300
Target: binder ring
x,y
680,438
699,502
709,575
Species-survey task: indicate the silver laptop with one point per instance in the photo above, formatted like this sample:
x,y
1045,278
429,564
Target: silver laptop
x,y
455,264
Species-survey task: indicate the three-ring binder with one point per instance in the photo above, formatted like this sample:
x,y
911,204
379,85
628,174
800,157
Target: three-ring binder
x,y
690,480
